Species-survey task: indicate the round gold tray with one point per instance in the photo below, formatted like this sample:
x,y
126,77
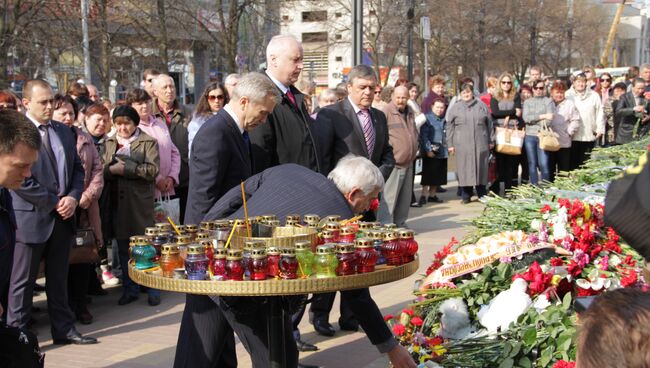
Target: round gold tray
x,y
383,274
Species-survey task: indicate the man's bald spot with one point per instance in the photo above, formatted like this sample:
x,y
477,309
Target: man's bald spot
x,y
28,88
160,80
280,44
401,90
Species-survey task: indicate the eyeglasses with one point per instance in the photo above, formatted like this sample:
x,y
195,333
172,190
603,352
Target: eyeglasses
x,y
217,97
605,80
377,92
538,88
506,82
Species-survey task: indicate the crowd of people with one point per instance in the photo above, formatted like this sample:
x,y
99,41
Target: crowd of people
x,y
101,167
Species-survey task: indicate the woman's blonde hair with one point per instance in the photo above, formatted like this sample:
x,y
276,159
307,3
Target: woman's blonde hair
x,y
502,95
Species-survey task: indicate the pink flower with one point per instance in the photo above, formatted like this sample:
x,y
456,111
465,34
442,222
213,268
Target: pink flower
x,y
399,329
603,264
581,258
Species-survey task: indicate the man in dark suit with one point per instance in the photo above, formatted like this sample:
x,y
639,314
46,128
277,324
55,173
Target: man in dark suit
x,y
45,207
631,107
290,135
292,189
220,160
352,125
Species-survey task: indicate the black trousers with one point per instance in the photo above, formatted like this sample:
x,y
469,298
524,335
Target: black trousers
x,y
6,262
507,166
560,161
78,281
580,153
55,251
321,306
181,194
205,339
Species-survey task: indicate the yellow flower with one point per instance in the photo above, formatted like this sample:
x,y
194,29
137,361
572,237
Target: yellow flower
x,y
555,281
425,358
416,349
439,350
587,212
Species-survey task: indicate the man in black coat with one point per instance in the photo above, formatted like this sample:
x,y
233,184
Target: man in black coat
x,y
220,160
631,107
352,125
289,135
292,189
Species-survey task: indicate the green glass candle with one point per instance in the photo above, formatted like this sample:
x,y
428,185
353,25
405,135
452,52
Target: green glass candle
x,y
325,262
305,258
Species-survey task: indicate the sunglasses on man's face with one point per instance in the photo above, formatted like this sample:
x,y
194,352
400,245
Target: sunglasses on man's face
x,y
538,88
218,97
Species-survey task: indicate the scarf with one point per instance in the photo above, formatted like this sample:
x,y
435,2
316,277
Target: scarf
x,y
125,143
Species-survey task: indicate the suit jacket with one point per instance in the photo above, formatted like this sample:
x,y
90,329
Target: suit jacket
x,y
293,189
625,118
220,160
35,202
287,137
342,134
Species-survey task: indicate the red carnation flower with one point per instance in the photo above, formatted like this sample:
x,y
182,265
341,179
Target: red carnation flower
x,y
434,341
374,204
416,321
399,329
557,262
545,209
388,317
408,311
564,364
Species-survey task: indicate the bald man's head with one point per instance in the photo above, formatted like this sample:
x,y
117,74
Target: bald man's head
x,y
400,97
284,59
164,89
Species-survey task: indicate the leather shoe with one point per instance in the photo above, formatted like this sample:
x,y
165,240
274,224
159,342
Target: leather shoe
x,y
74,337
84,316
324,328
349,326
434,199
441,190
416,205
307,366
126,299
153,300
305,346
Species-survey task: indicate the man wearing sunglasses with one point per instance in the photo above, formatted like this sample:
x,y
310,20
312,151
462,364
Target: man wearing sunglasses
x,y
147,80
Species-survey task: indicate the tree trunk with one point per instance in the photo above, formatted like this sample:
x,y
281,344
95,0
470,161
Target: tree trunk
x,y
164,43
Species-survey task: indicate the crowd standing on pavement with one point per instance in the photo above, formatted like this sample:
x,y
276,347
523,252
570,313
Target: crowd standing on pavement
x,y
100,166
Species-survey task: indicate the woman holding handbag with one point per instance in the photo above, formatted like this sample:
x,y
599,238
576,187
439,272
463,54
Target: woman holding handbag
x,y
506,109
565,123
538,112
433,145
131,165
88,219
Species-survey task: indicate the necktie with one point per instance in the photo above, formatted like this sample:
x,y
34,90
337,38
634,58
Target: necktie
x,y
247,140
48,147
368,130
291,97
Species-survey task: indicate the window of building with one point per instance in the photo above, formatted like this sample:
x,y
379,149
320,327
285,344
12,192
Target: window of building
x,y
314,37
314,16
339,58
285,18
338,14
338,37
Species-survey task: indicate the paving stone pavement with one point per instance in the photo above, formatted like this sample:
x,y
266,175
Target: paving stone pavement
x,y
140,336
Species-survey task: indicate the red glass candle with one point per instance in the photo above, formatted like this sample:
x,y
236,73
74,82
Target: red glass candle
x,y
366,255
408,245
288,264
335,229
273,261
234,267
347,235
259,264
209,248
218,265
347,260
390,249
326,236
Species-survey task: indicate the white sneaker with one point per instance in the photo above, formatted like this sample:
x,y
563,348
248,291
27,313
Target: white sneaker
x,y
107,276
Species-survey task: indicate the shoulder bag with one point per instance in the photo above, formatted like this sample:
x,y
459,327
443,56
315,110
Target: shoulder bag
x,y
509,139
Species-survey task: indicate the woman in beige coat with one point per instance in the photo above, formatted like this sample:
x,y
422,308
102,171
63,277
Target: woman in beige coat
x,y
131,164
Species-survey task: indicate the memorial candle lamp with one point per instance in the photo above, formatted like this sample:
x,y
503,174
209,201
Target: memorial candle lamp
x,y
290,222
389,226
347,235
305,258
182,229
273,260
192,231
325,261
347,258
196,263
259,264
247,254
143,254
366,255
408,245
234,268
378,241
390,249
326,236
222,230
209,248
288,264
311,220
273,223
170,260
218,265
165,229
376,225
335,229
267,218
292,217
158,239
333,218
183,241
132,240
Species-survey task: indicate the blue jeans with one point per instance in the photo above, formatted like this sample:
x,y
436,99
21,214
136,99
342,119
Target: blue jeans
x,y
537,158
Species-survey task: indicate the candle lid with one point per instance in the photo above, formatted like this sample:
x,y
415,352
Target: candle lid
x,y
269,217
183,240
206,226
332,225
141,240
220,252
390,226
292,217
132,240
169,248
406,234
191,228
365,225
274,223
311,218
375,234
344,248
290,222
181,228
333,218
221,223
390,235
195,249
364,243
325,248
303,244
250,244
202,235
291,252
234,255
206,243
164,226
258,252
347,230
151,231
327,233
272,250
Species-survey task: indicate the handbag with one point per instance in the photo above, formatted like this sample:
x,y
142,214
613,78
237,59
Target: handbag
x,y
548,139
166,207
510,140
84,249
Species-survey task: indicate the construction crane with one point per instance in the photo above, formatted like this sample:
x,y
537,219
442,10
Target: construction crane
x,y
604,58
